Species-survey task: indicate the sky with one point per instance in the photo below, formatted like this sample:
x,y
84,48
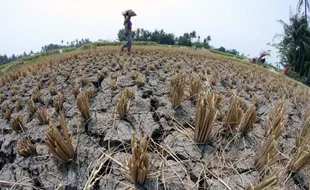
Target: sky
x,y
244,25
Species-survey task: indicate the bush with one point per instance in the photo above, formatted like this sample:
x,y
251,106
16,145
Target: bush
x,y
86,46
226,54
68,49
295,75
121,43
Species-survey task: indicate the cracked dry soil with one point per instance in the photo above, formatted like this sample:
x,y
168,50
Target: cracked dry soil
x,y
177,162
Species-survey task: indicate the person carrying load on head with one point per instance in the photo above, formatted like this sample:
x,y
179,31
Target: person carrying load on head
x,y
128,28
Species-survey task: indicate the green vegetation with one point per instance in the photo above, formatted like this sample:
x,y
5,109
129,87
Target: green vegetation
x,y
294,44
226,54
98,44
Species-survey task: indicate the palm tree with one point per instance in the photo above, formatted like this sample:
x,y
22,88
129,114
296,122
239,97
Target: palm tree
x,y
295,41
193,34
301,3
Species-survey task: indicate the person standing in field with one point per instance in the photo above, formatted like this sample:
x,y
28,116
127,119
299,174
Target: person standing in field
x,y
286,70
128,32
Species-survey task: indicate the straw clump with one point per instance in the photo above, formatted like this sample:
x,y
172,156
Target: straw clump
x,y
268,154
17,123
205,116
59,142
248,120
26,148
276,121
32,108
83,105
123,102
177,87
138,164
234,115
42,116
58,102
301,159
194,87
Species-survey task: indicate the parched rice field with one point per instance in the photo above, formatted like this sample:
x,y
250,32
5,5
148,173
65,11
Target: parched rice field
x,y
160,118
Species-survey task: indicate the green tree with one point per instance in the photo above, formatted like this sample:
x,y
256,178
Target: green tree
x,y
121,35
193,34
300,5
295,40
294,44
222,49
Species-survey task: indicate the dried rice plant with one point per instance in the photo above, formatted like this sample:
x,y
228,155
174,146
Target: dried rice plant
x,y
177,87
276,121
57,102
113,85
195,84
36,96
301,159
7,114
230,92
19,104
248,88
90,92
2,98
134,75
123,103
83,105
139,81
205,116
32,108
255,100
138,164
304,135
151,67
268,154
218,98
166,68
130,93
53,90
17,123
269,183
113,76
4,107
42,116
59,142
15,98
84,80
248,120
26,148
234,115
75,89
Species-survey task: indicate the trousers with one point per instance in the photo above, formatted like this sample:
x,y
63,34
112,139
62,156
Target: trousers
x,y
129,41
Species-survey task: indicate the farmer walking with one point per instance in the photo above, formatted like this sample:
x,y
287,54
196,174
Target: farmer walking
x,y
128,29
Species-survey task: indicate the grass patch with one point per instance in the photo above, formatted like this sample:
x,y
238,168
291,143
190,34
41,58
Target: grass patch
x,y
98,44
226,54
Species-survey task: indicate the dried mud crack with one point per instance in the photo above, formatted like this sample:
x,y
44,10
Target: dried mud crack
x,y
251,124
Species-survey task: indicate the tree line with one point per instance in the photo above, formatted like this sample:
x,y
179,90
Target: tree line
x,y
161,37
76,43
73,44
140,34
294,44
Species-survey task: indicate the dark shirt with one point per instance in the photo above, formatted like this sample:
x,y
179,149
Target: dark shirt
x,y
128,25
